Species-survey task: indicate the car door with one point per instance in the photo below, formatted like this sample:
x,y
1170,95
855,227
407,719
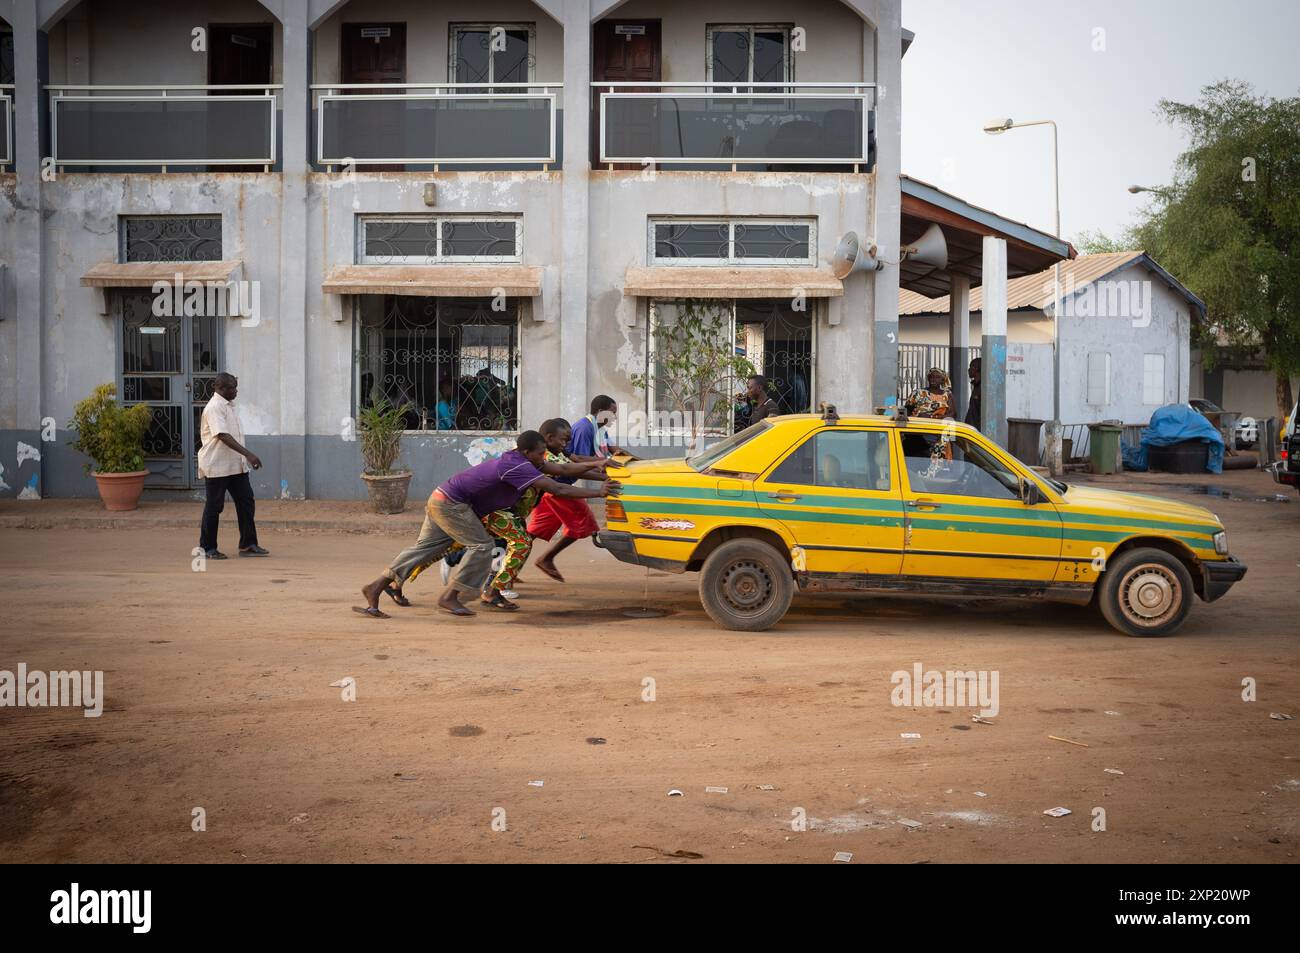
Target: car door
x,y
838,493
965,518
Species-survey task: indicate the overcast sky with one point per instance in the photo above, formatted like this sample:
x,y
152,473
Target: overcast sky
x,y
975,60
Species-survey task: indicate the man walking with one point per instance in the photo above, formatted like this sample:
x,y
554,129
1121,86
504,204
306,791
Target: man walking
x,y
454,514
223,464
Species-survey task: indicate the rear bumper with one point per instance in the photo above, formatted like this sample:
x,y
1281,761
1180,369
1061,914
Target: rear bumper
x,y
1282,475
622,546
1220,575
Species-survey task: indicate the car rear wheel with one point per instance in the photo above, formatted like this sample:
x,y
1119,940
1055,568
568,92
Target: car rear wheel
x,y
1146,592
746,585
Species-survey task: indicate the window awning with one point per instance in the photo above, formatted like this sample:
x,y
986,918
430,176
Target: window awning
x,y
435,281
145,274
710,282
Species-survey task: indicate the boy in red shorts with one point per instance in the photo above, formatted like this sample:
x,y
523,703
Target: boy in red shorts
x,y
554,512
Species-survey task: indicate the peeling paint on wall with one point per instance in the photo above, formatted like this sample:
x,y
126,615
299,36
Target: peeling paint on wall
x,y
487,448
27,452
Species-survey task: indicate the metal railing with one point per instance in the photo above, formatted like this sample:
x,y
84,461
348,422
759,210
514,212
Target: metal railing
x,y
6,125
436,123
735,124
163,125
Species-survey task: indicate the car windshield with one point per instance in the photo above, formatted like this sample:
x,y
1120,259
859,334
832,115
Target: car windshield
x,y
713,454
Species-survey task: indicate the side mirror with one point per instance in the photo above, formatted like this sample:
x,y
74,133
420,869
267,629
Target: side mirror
x,y
1030,495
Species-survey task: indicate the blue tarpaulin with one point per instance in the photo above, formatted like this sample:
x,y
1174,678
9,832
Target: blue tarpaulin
x,y
1171,424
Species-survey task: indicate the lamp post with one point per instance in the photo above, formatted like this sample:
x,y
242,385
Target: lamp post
x,y
996,127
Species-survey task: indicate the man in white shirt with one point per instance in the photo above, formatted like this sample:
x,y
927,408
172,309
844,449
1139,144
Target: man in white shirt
x,y
223,464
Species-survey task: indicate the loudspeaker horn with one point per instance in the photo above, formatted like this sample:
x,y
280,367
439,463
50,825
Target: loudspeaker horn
x,y
851,256
930,249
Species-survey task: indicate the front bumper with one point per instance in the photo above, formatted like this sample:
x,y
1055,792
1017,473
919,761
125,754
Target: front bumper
x,y
622,546
1220,575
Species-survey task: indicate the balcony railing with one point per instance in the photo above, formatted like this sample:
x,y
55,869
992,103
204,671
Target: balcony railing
x,y
163,126
728,124
6,126
436,124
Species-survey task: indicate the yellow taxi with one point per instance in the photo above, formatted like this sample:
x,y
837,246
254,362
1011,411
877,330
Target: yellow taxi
x,y
815,503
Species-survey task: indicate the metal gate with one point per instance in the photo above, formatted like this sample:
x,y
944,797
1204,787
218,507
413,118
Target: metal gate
x,y
169,363
915,361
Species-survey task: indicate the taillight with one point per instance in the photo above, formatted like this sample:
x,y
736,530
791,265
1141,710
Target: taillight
x,y
1283,454
614,511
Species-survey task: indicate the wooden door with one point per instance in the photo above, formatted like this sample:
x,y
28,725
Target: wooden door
x,y
373,53
239,55
623,51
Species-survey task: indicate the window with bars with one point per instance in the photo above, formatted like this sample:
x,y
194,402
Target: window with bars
x,y
727,241
777,340
429,239
454,360
492,53
170,238
749,53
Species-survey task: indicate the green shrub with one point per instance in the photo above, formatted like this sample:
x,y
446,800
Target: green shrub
x,y
110,434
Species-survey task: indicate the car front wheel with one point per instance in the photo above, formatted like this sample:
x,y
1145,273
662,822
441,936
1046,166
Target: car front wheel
x,y
746,585
1145,592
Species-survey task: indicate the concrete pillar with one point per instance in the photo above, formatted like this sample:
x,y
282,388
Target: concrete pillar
x,y
887,203
294,145
959,339
27,264
575,220
993,364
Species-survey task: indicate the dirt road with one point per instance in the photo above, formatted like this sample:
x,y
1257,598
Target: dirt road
x,y
219,697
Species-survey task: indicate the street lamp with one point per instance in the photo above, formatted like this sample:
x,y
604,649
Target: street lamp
x,y
995,127
1135,189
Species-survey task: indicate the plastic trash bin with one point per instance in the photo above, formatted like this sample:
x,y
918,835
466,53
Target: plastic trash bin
x,y
1103,447
1022,439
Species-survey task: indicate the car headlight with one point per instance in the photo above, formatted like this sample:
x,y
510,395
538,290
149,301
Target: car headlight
x,y
1221,543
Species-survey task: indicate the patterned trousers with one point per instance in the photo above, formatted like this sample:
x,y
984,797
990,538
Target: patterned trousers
x,y
508,527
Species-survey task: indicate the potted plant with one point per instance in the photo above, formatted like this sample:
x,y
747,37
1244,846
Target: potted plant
x,y
380,429
113,437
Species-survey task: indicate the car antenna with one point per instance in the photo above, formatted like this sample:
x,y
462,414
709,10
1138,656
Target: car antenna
x,y
828,414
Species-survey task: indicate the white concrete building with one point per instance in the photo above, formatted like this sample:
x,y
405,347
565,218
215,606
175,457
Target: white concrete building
x,y
495,199
1125,331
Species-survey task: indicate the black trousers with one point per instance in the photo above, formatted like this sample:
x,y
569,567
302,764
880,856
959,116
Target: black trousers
x,y
241,491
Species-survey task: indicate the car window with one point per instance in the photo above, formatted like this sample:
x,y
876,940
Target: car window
x,y
702,461
848,459
956,466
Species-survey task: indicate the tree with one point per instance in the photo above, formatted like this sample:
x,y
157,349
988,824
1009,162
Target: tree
x,y
1229,226
694,367
1099,243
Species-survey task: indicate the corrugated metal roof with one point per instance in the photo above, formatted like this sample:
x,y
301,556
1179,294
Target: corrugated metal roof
x,y
1032,291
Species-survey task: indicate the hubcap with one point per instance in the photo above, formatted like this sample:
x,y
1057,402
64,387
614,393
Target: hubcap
x,y
1150,594
746,586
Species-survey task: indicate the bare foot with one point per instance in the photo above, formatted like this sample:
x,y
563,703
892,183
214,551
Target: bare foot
x,y
372,592
548,568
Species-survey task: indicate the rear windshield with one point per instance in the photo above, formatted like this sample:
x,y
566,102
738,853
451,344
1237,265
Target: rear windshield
x,y
713,454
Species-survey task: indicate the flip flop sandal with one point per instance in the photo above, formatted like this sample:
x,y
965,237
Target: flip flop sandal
x,y
499,602
461,610
373,613
397,597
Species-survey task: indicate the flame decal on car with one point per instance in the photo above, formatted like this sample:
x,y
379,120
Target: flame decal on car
x,y
653,522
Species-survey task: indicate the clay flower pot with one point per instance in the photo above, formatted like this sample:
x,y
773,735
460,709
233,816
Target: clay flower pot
x,y
387,490
121,491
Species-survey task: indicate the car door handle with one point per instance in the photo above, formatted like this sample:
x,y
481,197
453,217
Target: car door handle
x,y
924,505
783,495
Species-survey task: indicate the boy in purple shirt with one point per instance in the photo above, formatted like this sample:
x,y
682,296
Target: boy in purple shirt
x,y
454,514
